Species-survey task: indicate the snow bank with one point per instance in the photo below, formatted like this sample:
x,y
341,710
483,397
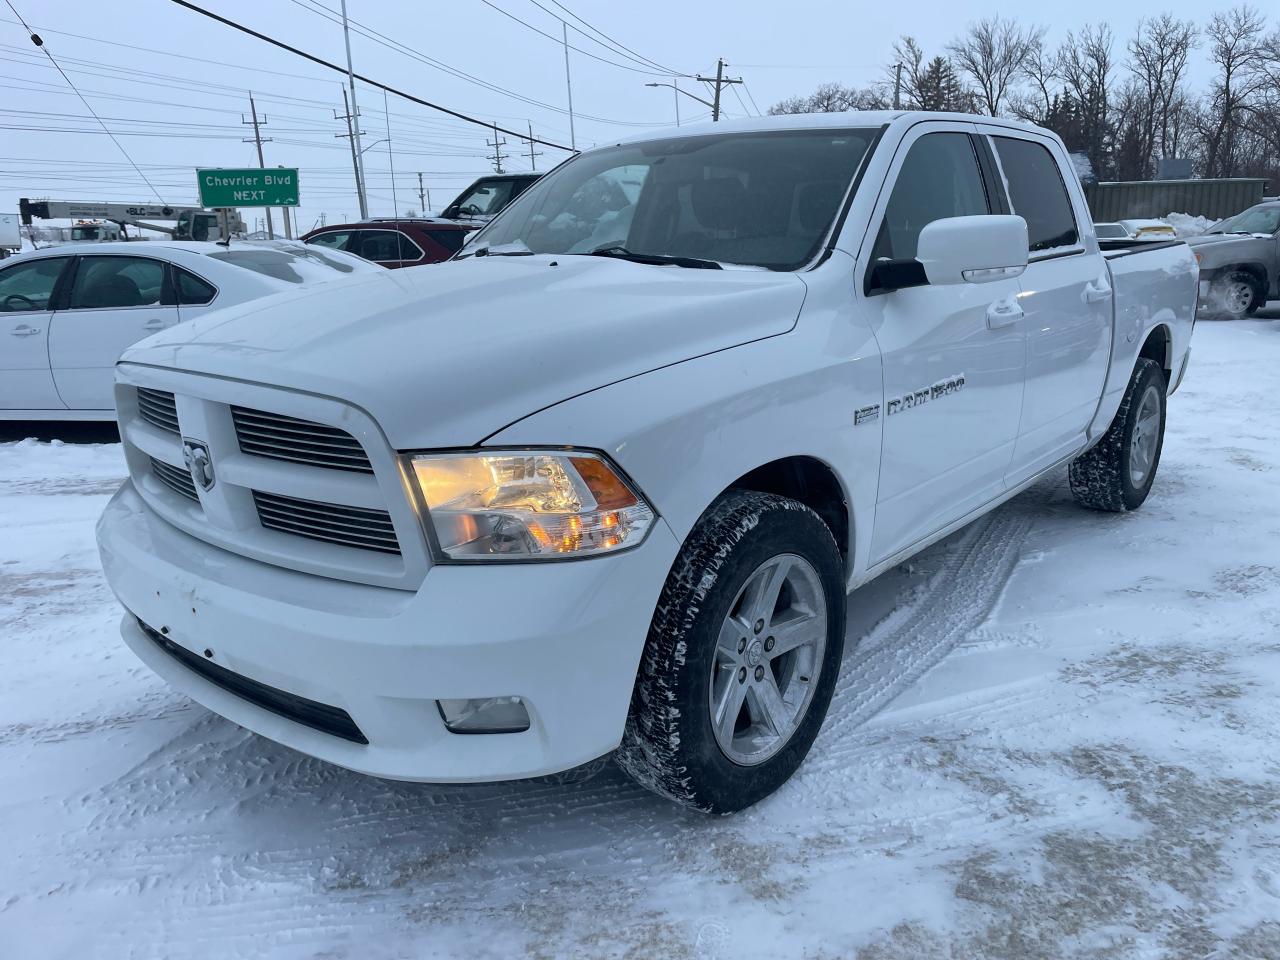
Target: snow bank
x,y
1187,225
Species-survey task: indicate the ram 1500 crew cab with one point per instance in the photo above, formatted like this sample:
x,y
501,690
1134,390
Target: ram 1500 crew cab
x,y
602,482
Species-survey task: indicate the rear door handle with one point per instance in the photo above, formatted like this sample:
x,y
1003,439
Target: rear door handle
x,y
1096,293
24,331
154,325
1004,312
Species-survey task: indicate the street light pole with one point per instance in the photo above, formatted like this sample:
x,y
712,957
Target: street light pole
x,y
678,91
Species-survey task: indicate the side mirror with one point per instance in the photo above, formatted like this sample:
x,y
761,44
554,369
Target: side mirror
x,y
973,249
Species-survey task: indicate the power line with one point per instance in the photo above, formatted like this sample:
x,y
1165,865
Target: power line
x,y
585,53
622,46
35,38
332,66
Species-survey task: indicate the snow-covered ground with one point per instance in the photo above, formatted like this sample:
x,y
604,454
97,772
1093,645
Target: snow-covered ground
x,y
1076,754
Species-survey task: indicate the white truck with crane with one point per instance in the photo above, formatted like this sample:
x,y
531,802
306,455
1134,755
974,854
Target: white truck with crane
x,y
189,223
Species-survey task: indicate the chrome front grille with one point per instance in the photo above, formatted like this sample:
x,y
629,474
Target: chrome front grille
x,y
358,527
175,478
302,482
158,409
279,437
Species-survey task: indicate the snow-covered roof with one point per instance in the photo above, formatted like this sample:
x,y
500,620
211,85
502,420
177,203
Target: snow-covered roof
x,y
807,121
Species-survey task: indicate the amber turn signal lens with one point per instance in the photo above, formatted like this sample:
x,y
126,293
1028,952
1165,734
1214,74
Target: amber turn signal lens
x,y
609,491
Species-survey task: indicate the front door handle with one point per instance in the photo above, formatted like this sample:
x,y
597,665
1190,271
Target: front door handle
x,y
154,325
24,331
1004,312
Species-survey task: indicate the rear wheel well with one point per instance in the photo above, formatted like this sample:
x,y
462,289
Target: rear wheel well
x,y
1159,347
809,481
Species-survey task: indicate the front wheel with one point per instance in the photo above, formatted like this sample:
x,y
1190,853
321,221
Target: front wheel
x,y
1117,473
1235,296
741,658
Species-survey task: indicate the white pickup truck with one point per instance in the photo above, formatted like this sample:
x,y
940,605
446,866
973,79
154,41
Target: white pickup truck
x,y
602,482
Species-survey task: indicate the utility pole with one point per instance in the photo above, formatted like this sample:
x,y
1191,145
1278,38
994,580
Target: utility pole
x,y
423,200
720,81
532,153
568,83
354,109
498,155
675,88
352,122
288,217
897,86
257,138
391,159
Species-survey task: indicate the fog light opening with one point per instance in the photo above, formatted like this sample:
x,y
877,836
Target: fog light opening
x,y
484,715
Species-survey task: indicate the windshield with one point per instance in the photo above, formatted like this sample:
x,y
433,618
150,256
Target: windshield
x,y
758,199
484,199
300,265
84,233
1253,220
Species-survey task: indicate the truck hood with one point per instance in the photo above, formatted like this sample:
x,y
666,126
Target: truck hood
x,y
1220,249
446,355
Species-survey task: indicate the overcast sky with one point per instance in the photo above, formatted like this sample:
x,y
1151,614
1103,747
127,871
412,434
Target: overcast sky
x,y
177,104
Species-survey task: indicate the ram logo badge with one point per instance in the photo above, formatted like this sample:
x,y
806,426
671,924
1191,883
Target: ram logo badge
x,y
195,454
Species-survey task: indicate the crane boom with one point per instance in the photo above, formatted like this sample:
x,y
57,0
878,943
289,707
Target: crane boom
x,y
190,223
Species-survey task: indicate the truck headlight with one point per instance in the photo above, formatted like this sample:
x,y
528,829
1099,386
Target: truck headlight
x,y
528,504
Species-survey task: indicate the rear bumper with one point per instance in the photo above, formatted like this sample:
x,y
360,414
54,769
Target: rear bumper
x,y
566,637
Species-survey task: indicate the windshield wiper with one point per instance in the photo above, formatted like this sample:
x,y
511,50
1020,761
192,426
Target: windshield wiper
x,y
619,252
515,248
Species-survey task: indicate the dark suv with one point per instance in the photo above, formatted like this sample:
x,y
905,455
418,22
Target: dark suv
x,y
394,243
485,199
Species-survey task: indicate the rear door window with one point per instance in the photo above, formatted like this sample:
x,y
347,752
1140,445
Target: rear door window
x,y
1037,193
380,246
451,240
192,291
408,249
117,282
29,286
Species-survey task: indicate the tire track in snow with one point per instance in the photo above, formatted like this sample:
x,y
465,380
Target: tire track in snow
x,y
911,641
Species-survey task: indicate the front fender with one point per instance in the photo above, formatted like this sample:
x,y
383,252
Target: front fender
x,y
686,432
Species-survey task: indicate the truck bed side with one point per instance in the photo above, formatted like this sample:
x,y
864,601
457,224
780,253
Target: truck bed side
x,y
1154,291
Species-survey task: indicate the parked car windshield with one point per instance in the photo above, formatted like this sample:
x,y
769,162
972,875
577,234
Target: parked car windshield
x,y
759,199
1253,220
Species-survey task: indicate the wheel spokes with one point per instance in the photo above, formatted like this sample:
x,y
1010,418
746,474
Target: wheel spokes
x,y
767,708
761,598
795,631
728,705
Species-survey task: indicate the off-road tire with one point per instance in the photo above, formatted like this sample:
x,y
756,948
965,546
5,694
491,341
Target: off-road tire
x,y
1101,478
669,745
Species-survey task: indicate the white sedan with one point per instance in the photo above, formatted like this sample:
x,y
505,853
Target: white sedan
x,y
67,313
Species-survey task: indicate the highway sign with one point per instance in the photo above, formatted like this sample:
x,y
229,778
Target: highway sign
x,y
272,187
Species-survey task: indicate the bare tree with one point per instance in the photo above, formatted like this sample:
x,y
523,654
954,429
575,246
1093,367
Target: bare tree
x,y
833,98
1240,52
993,52
1086,65
929,84
1158,55
1041,69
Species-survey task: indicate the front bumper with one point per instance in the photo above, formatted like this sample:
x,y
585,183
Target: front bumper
x,y
564,636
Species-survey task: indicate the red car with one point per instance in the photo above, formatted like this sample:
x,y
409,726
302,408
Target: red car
x,y
394,243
